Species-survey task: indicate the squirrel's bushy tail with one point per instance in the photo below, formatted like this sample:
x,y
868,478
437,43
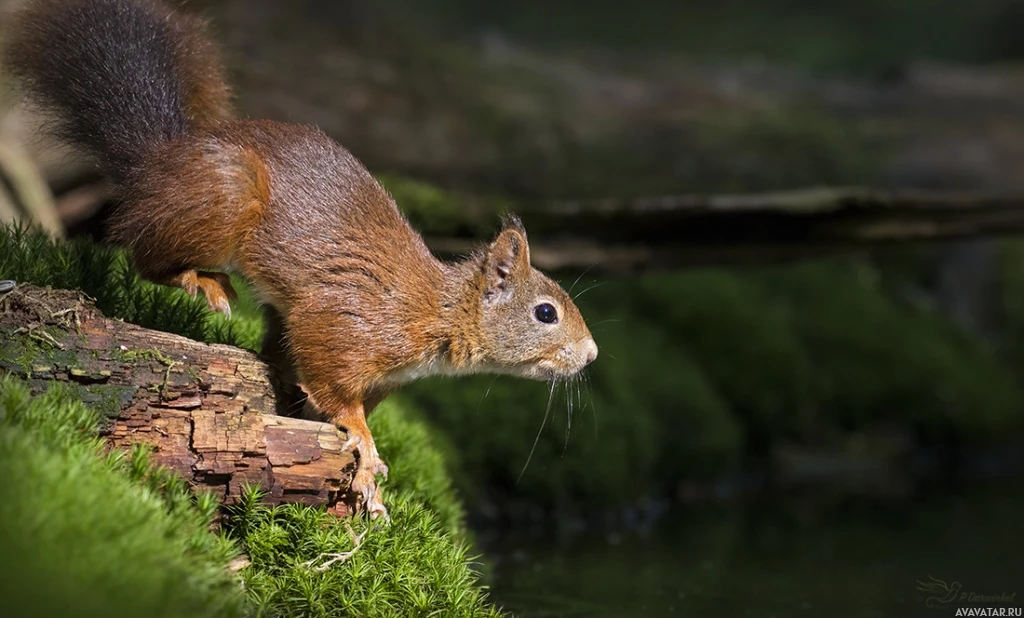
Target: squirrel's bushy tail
x,y
119,77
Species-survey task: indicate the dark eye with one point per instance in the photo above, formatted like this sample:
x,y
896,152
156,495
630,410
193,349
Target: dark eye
x,y
545,313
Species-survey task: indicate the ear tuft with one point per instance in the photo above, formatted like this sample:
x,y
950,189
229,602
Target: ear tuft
x,y
507,261
512,221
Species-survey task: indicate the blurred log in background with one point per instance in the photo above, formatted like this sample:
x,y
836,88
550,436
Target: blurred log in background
x,y
500,125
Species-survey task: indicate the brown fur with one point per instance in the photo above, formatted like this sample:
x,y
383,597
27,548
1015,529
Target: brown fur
x,y
363,305
198,61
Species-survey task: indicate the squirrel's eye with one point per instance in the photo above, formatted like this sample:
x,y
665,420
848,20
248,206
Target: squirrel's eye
x,y
545,313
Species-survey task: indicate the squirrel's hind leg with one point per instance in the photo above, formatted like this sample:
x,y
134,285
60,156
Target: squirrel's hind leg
x,y
193,204
216,287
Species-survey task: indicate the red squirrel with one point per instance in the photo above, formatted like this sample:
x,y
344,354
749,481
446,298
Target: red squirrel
x,y
363,304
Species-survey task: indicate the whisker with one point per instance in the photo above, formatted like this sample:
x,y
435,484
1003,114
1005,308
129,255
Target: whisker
x,y
547,412
580,277
568,415
486,393
596,285
593,406
579,395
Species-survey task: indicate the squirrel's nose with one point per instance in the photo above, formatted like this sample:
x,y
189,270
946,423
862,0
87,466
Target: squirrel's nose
x,y
589,349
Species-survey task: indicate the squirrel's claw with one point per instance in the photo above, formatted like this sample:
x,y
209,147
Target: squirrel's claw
x,y
370,495
219,305
218,291
365,481
381,468
351,445
216,287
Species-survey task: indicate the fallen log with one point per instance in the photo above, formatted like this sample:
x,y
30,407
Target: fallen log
x,y
206,410
625,236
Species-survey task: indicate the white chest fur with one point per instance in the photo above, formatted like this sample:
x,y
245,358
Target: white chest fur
x,y
434,367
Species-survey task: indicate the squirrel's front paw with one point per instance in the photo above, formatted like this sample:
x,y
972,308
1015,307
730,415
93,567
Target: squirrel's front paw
x,y
365,481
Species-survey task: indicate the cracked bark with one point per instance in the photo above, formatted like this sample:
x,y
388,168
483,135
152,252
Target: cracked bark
x,y
206,410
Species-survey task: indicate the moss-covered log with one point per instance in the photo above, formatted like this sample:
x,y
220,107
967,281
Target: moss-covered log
x,y
205,409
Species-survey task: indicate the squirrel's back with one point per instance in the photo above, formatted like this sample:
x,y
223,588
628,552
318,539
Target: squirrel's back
x,y
118,77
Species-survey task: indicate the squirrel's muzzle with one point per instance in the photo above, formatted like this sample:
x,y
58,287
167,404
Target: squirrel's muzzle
x,y
588,351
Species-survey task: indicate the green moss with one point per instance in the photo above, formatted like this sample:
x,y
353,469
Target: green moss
x,y
88,534
412,567
124,538
747,345
130,356
16,355
416,461
878,361
418,565
107,399
105,274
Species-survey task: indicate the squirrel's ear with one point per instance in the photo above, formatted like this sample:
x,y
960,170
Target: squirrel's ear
x,y
507,262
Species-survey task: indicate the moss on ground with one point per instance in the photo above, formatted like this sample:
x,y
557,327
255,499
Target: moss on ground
x,y
419,565
413,567
89,534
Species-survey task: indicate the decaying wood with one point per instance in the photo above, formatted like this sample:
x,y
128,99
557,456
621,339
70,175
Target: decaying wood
x,y
207,410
